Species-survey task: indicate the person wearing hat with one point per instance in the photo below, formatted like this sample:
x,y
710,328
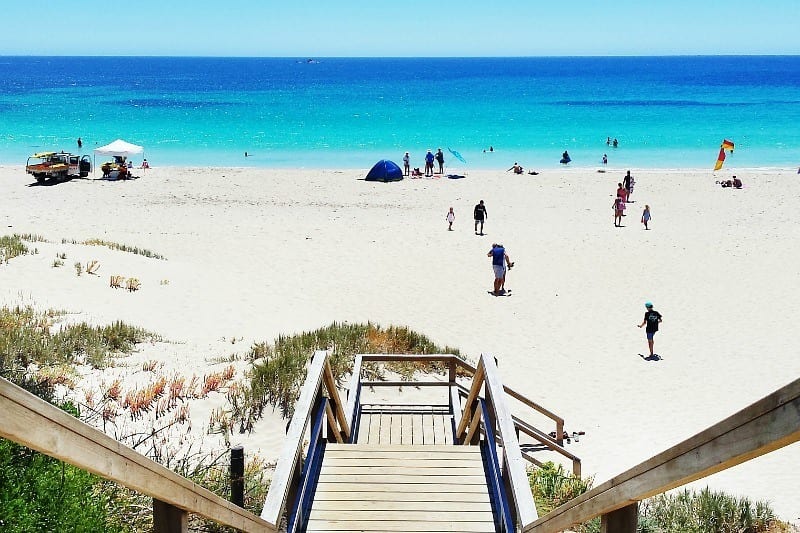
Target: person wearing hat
x,y
429,164
652,319
406,164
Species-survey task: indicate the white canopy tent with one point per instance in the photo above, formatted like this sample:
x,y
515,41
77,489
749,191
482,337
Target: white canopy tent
x,y
118,148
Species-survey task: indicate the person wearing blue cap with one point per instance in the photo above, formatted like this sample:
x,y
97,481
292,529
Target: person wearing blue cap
x,y
652,319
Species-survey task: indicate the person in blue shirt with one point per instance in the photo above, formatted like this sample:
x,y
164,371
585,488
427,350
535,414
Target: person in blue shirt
x,y
429,164
500,261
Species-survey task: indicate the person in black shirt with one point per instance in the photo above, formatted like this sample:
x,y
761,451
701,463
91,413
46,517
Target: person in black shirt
x,y
652,319
480,216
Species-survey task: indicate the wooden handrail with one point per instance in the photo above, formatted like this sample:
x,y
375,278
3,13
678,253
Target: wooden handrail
x,y
32,422
514,471
767,425
288,467
352,392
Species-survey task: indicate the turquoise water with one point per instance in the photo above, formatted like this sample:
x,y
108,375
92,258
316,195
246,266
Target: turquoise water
x,y
347,113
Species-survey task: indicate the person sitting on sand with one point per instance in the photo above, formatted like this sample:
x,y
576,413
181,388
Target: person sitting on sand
x,y
416,173
737,183
145,164
517,168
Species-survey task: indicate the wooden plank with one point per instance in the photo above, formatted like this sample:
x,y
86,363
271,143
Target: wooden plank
x,y
318,526
338,408
332,423
515,465
766,425
169,519
365,472
32,422
417,429
374,429
356,486
454,495
386,429
406,430
408,480
428,428
430,506
474,424
396,430
466,418
275,503
414,358
352,392
363,429
438,429
351,515
399,462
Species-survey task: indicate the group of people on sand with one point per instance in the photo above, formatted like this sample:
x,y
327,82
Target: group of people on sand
x,y
623,197
430,158
734,183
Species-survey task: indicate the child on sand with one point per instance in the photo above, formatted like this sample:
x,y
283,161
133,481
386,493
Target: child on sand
x,y
646,216
450,218
619,208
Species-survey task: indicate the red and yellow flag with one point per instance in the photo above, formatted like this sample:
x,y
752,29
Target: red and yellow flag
x,y
726,145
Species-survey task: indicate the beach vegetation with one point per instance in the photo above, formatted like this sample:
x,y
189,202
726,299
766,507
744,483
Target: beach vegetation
x,y
279,368
706,511
11,246
92,266
39,493
78,268
687,511
116,246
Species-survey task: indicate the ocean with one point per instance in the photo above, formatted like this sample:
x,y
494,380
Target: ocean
x,y
665,112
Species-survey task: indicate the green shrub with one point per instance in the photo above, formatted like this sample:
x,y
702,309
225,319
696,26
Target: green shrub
x,y
705,512
11,246
552,487
41,494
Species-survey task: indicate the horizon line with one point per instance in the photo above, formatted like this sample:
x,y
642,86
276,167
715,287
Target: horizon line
x,y
566,56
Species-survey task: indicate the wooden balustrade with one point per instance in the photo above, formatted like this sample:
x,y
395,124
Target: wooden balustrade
x,y
32,422
764,426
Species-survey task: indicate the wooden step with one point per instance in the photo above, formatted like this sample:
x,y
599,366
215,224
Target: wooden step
x,y
401,488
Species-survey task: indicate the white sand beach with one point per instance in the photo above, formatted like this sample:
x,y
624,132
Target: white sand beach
x,y
254,253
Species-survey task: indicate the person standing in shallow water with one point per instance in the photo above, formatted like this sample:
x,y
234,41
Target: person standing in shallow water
x,y
652,319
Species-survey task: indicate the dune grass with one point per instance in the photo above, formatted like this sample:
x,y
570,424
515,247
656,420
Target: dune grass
x,y
11,246
279,368
685,511
116,246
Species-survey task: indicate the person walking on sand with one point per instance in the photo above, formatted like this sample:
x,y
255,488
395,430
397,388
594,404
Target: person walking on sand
x,y
622,192
619,207
652,319
627,183
406,164
440,160
480,216
450,218
646,216
500,261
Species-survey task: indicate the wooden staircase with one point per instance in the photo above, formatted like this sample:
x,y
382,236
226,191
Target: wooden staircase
x,y
430,488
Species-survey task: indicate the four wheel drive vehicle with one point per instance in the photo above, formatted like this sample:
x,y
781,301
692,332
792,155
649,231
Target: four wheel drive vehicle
x,y
58,165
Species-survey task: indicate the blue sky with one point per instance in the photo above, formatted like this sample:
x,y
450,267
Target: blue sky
x,y
413,28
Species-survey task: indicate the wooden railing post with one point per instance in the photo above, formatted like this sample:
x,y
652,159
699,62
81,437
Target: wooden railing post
x,y
169,519
624,520
237,475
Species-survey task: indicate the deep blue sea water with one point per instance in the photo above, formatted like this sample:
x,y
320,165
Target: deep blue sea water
x,y
347,113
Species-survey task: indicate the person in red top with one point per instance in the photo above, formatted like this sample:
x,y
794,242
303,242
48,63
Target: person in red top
x,y
622,192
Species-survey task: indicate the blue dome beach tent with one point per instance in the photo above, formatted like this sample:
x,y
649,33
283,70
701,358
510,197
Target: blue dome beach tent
x,y
385,170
